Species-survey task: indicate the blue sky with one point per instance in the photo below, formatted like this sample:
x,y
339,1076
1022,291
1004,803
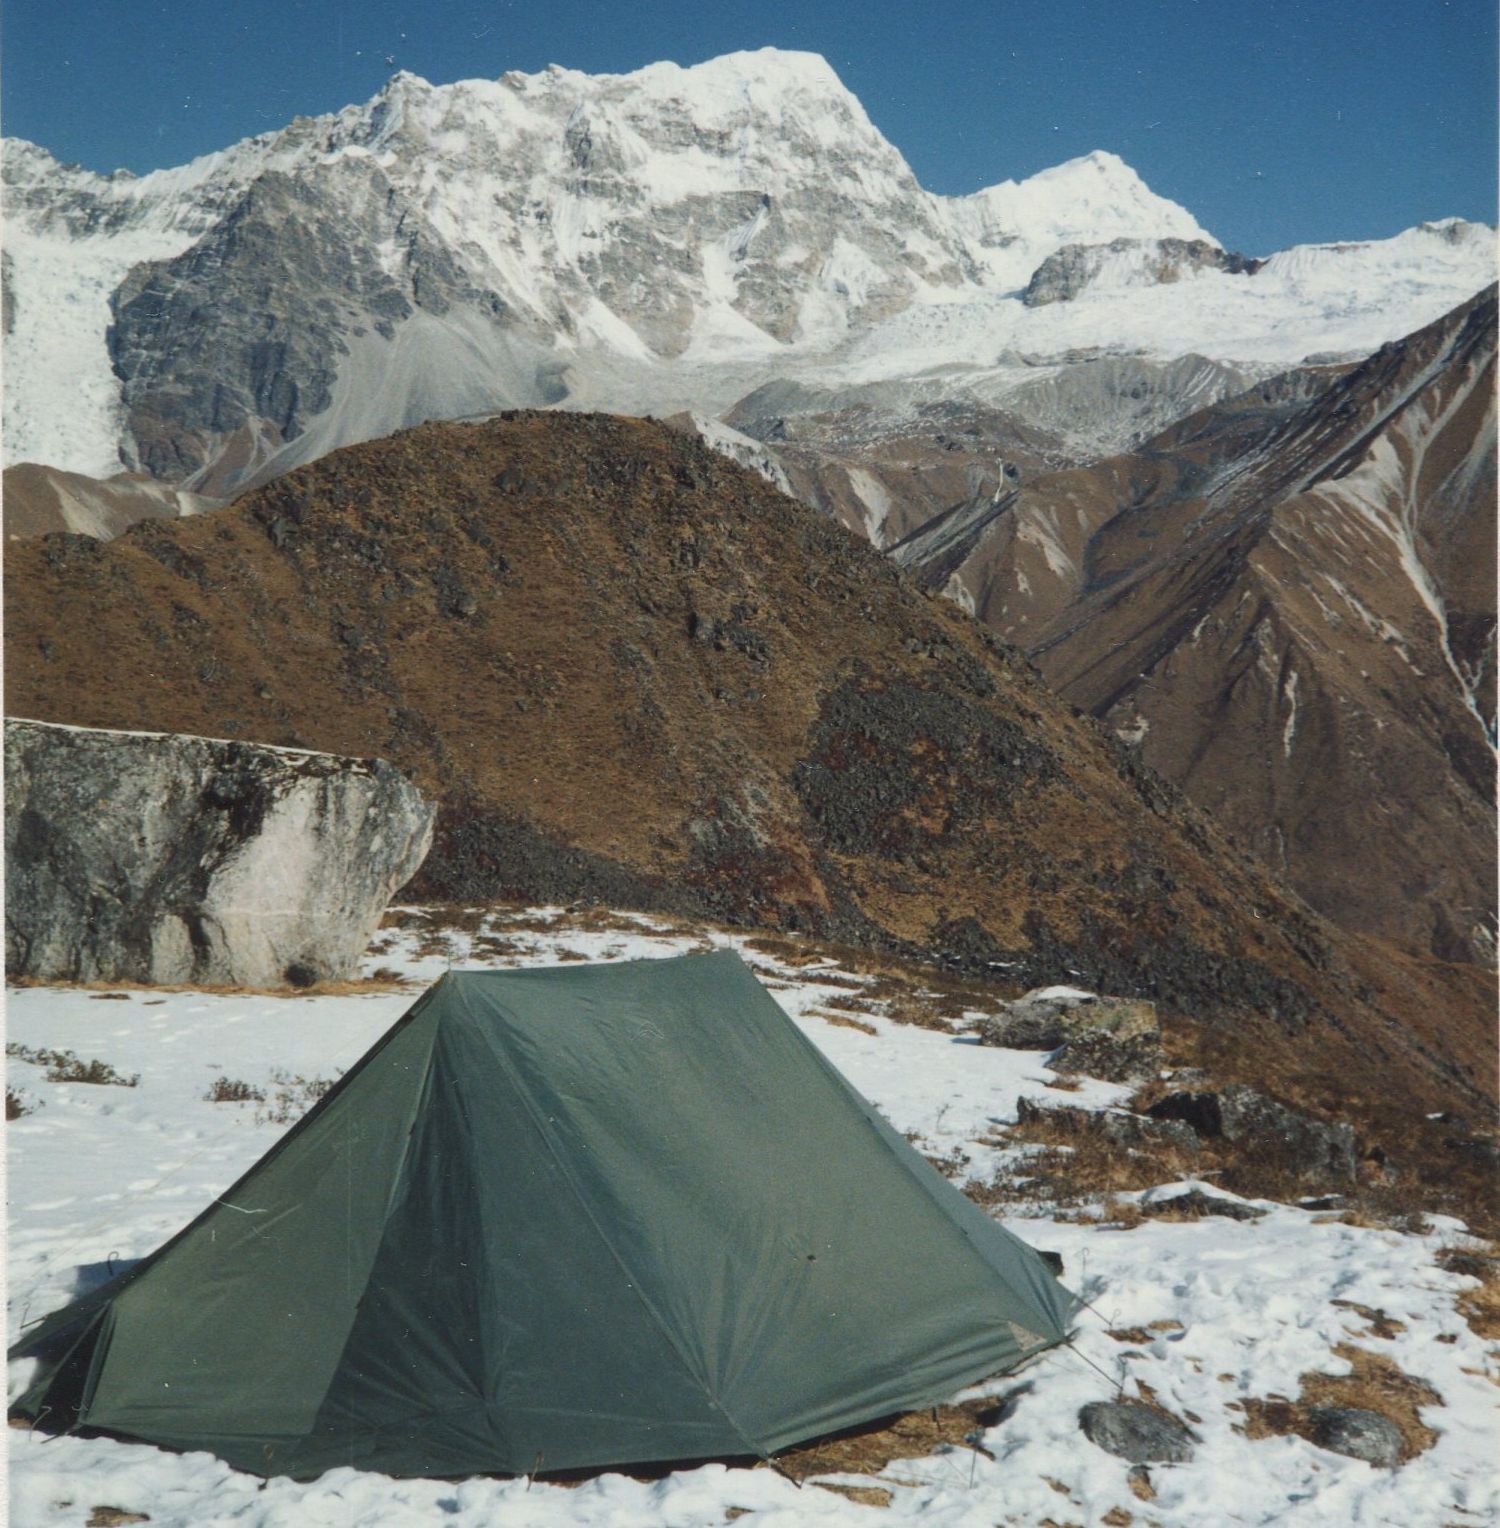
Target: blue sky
x,y
1273,122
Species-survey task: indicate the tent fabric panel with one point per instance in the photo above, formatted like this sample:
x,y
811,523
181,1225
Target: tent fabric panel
x,y
776,1242
38,1339
494,1298
1043,1304
238,1331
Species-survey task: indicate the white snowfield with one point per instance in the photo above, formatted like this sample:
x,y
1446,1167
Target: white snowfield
x,y
671,239
103,1174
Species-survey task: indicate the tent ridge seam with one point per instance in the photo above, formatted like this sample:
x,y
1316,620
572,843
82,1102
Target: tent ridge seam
x,y
419,1099
633,1282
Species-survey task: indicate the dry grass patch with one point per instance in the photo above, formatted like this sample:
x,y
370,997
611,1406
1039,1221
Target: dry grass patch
x,y
65,1066
229,1090
292,1097
1374,1383
1380,1325
784,950
914,993
1144,1334
1479,1307
869,1449
843,1021
1139,1481
1077,1165
866,1496
852,1004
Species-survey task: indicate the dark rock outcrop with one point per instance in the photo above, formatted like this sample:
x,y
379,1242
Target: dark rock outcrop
x,y
1116,1126
1117,1039
1063,275
1195,1205
1242,1116
159,858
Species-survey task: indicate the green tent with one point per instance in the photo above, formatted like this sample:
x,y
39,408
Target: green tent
x,y
557,1218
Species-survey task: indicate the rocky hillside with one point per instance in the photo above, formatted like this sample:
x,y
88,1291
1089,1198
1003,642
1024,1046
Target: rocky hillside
x,y
650,242
629,669
1287,603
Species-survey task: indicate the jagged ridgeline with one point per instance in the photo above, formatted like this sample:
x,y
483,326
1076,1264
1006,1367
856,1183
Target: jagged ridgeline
x,y
1287,602
629,669
656,241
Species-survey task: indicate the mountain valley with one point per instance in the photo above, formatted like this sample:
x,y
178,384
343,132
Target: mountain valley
x,y
1287,603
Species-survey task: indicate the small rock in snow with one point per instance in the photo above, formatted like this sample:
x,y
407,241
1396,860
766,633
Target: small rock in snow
x,y
1360,1434
1137,1433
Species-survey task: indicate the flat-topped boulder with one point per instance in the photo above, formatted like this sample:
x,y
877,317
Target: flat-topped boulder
x,y
164,858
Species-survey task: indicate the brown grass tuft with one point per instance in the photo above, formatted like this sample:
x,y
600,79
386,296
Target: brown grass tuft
x,y
843,1021
1380,1325
866,1496
1375,1383
1481,1309
868,1449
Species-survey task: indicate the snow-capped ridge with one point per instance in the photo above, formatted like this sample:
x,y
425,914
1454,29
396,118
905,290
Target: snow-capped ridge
x,y
1093,198
663,239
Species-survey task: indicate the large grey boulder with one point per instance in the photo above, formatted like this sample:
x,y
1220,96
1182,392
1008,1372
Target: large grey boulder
x,y
161,858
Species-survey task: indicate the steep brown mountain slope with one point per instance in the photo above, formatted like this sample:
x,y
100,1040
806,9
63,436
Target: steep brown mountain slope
x,y
631,669
1288,602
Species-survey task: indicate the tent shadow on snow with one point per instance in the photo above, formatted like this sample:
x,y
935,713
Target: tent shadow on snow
x,y
555,1220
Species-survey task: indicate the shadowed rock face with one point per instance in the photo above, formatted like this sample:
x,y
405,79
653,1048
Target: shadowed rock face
x,y
1287,603
630,670
143,857
294,277
1136,262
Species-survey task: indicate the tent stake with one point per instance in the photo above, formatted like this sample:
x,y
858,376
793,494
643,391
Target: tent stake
x,y
784,1475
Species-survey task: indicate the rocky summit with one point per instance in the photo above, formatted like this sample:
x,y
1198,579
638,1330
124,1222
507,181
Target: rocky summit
x,y
663,240
629,669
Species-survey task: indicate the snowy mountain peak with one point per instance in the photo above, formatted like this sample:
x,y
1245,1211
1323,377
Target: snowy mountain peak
x,y
1089,200
653,241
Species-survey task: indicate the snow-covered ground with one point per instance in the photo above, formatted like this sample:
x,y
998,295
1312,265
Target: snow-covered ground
x,y
101,1174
